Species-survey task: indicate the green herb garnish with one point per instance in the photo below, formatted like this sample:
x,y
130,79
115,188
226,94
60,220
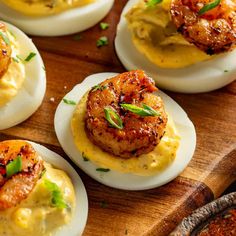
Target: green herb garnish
x,y
69,102
5,38
30,56
104,25
152,3
14,167
84,157
77,37
15,59
103,204
99,87
56,195
141,111
226,71
102,169
113,118
209,6
102,41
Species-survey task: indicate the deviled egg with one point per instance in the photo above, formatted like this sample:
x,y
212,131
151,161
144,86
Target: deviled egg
x,y
37,196
54,17
122,132
22,77
183,46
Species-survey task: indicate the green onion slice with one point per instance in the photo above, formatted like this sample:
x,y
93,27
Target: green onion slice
x,y
152,3
102,169
14,167
104,25
56,194
113,118
102,41
141,111
5,38
209,6
30,56
69,102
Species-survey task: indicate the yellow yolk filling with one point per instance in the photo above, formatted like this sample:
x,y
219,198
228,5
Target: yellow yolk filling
x,y
44,7
156,37
35,215
13,79
146,164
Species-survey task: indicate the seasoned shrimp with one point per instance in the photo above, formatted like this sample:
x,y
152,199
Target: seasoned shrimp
x,y
16,188
139,134
214,31
5,50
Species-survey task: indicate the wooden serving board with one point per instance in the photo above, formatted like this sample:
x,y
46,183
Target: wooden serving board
x,y
153,212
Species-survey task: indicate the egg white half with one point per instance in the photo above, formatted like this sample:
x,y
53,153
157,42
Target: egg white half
x,y
79,218
68,22
201,77
30,95
112,178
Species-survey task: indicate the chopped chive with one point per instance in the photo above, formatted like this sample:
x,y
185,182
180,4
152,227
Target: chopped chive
x,y
5,38
69,102
99,87
18,57
141,111
209,6
226,71
14,167
30,56
152,3
102,169
104,25
15,59
77,37
113,118
103,204
102,41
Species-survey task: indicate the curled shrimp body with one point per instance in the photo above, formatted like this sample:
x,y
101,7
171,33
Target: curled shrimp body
x,y
5,50
213,31
16,188
139,134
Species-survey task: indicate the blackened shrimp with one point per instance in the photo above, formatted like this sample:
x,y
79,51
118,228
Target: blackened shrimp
x,y
17,187
212,31
5,50
139,134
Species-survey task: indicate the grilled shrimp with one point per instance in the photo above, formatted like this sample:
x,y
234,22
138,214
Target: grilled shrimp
x,y
16,188
213,31
139,134
5,50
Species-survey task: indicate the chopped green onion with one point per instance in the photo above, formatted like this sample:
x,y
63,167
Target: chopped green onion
x,y
15,59
104,25
102,41
102,169
56,195
84,157
14,167
103,204
30,56
142,111
113,118
209,6
226,71
77,37
152,3
5,38
99,87
69,102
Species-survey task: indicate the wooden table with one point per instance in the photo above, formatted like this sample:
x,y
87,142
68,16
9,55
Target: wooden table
x,y
153,212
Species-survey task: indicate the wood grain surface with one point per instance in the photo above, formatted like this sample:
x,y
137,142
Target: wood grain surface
x,y
153,212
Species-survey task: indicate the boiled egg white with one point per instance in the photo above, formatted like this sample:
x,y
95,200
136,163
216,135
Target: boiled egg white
x,y
79,218
201,77
29,97
184,126
67,22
